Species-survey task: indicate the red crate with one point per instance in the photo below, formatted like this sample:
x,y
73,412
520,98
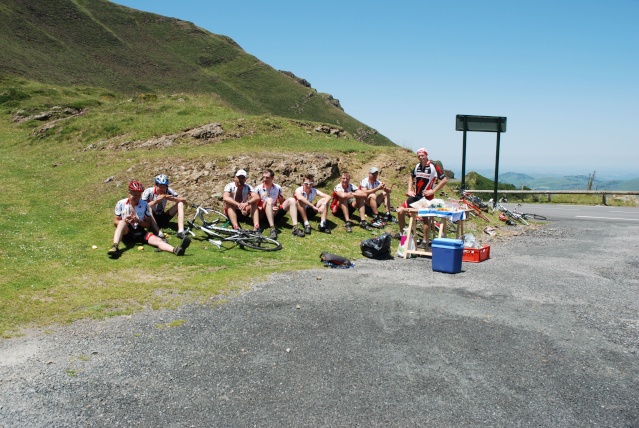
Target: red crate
x,y
476,255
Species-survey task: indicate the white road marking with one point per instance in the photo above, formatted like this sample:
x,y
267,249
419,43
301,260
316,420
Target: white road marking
x,y
607,218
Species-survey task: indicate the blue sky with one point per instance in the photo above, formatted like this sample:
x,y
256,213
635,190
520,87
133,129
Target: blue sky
x,y
564,73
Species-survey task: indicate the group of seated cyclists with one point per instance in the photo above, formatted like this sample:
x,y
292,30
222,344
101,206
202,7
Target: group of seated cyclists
x,y
147,208
265,201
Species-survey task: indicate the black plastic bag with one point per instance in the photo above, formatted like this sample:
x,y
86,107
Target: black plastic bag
x,y
377,248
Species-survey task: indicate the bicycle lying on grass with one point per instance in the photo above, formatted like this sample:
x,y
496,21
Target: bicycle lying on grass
x,y
528,216
213,223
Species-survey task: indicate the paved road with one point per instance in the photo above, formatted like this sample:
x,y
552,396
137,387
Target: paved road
x,y
545,333
599,213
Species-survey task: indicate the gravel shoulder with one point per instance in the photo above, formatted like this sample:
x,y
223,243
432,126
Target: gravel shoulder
x,y
545,333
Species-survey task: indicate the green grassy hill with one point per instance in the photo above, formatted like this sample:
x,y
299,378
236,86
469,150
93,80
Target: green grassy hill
x,y
93,95
100,44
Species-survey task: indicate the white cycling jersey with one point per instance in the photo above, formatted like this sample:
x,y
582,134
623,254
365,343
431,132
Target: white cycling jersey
x,y
124,208
365,184
151,195
274,192
309,197
232,189
351,188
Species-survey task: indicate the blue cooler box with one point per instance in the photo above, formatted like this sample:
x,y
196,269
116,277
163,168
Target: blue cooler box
x,y
447,255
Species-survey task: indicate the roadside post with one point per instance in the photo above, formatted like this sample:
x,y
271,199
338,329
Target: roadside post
x,y
465,123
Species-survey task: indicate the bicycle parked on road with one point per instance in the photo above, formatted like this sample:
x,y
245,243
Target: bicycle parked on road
x,y
516,217
528,216
214,224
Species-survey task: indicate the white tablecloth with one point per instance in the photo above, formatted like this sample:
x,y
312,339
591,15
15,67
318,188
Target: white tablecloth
x,y
451,215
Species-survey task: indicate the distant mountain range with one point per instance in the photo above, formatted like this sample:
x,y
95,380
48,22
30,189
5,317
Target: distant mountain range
x,y
566,182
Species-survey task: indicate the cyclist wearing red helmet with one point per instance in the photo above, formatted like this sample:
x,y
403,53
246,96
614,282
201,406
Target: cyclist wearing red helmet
x,y
132,216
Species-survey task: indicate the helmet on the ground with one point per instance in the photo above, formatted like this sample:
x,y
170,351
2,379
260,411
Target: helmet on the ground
x,y
502,217
136,186
162,179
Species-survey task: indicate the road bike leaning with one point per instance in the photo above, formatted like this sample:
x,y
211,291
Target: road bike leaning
x,y
214,224
475,204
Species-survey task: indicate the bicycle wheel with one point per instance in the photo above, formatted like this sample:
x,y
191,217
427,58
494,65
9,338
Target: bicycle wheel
x,y
529,216
216,218
258,242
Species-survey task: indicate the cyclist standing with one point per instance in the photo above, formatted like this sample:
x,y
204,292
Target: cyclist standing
x,y
421,184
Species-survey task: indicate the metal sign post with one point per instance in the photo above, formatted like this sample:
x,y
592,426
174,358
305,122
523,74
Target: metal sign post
x,y
467,123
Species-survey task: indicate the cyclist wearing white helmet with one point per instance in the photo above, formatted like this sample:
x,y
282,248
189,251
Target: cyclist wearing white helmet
x,y
240,201
156,197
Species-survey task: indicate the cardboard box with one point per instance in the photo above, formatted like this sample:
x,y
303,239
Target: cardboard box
x,y
476,255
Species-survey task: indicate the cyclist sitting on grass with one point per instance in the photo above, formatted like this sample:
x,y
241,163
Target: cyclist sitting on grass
x,y
377,194
132,216
240,201
347,198
273,206
305,206
156,197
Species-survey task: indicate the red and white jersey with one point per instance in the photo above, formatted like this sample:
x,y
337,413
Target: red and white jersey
x,y
123,208
275,192
350,189
151,195
245,191
309,197
365,184
425,176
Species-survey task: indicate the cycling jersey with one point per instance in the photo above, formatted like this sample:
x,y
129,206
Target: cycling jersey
x,y
151,195
309,197
365,184
275,192
425,177
350,189
245,191
124,208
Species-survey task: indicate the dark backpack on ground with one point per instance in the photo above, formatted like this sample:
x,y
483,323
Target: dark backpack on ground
x,y
335,261
377,248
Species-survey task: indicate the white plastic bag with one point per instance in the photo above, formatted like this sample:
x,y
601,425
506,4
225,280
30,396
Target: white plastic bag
x,y
403,243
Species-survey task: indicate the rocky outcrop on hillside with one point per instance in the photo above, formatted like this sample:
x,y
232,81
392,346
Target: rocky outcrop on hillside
x,y
307,84
202,181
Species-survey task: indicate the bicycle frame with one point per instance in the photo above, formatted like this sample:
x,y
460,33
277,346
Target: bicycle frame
x,y
512,215
217,235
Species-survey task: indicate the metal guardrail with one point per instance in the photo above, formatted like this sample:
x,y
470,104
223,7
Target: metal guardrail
x,y
603,193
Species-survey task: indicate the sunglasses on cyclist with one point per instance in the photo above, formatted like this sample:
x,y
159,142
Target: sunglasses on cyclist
x,y
309,183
